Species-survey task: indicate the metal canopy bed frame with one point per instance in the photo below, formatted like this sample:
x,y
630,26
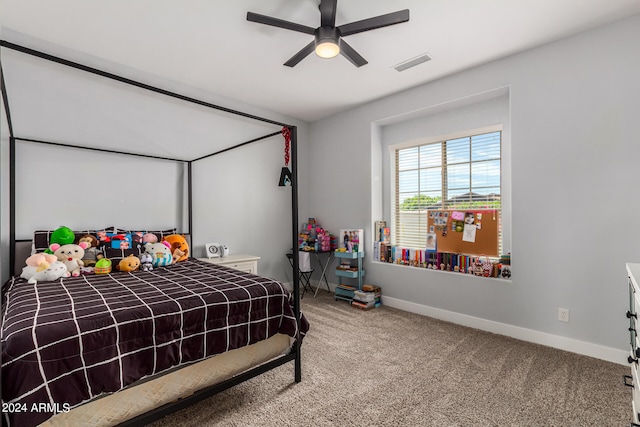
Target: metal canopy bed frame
x,y
295,354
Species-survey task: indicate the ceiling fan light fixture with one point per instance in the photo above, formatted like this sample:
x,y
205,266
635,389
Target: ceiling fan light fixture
x,y
327,42
327,50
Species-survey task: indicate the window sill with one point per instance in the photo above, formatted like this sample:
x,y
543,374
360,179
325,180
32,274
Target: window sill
x,y
455,273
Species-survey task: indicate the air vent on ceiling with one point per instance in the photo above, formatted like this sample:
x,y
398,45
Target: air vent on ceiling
x,y
412,62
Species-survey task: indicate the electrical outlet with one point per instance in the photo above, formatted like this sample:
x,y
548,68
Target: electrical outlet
x,y
563,314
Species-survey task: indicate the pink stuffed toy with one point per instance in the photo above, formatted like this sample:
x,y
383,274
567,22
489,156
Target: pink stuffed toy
x,y
149,238
71,255
41,261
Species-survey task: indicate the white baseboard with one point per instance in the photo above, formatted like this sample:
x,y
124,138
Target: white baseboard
x,y
563,343
568,344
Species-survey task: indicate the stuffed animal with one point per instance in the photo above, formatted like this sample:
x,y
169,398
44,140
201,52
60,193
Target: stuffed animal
x,y
53,271
103,266
130,263
62,236
146,262
41,261
179,242
71,255
161,253
149,238
92,253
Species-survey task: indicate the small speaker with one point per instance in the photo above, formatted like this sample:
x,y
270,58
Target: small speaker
x,y
224,250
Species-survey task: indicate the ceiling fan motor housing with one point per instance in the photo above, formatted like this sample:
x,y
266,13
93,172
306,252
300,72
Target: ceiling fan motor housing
x,y
327,34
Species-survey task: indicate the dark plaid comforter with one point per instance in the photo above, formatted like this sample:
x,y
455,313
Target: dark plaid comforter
x,y
66,342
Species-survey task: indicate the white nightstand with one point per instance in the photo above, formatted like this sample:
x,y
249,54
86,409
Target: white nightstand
x,y
242,262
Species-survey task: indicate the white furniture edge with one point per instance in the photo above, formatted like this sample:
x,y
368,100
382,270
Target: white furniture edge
x,y
242,262
231,258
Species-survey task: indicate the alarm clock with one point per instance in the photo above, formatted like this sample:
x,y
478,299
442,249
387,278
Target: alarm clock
x,y
213,250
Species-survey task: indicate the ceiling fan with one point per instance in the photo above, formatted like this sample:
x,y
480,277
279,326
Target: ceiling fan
x,y
328,41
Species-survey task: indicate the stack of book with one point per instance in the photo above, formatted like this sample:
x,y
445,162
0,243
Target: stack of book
x,y
367,298
377,292
382,244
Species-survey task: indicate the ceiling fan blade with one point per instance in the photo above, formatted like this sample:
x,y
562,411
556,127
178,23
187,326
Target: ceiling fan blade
x,y
280,23
303,53
350,53
328,13
375,22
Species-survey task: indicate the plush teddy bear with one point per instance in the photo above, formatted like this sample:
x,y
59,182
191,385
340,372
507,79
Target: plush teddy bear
x,y
41,261
146,262
161,253
53,271
71,255
178,243
92,254
129,263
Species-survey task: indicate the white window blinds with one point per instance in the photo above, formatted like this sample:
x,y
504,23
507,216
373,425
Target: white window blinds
x,y
461,173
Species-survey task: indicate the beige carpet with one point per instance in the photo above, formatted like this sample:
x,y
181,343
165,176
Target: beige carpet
x,y
386,367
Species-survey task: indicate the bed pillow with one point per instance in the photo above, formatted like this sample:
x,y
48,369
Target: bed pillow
x,y
137,234
120,240
123,243
41,237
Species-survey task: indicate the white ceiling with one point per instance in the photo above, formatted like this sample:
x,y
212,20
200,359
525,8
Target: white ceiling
x,y
211,46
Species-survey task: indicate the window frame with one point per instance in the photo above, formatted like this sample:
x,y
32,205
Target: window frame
x,y
440,139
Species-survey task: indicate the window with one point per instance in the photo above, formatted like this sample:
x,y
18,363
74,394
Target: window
x,y
462,173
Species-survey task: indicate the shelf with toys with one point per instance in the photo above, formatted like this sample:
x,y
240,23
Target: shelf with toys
x,y
350,267
433,257
350,254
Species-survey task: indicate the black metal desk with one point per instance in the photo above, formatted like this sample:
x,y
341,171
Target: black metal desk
x,y
323,267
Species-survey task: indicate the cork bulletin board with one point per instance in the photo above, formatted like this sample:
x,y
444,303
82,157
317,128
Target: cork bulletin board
x,y
464,231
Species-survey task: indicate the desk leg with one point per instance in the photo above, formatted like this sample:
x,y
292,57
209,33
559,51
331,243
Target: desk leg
x,y
324,272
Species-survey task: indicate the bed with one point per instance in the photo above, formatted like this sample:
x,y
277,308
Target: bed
x,y
70,341
129,348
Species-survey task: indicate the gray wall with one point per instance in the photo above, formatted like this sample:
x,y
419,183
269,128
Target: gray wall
x,y
573,109
574,149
